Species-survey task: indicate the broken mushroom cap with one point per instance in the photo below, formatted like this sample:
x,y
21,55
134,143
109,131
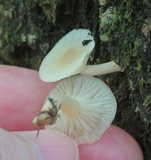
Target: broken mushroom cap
x,y
68,56
84,106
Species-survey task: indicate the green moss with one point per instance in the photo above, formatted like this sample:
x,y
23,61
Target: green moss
x,y
21,27
129,46
49,8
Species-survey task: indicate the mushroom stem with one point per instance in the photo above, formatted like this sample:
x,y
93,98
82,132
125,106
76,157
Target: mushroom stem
x,y
100,69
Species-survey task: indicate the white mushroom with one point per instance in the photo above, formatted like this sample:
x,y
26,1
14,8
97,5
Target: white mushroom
x,y
80,106
69,57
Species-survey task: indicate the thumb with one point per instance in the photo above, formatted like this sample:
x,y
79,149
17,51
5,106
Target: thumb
x,y
48,145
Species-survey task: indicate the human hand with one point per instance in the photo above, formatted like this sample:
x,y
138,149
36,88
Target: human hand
x,y
22,94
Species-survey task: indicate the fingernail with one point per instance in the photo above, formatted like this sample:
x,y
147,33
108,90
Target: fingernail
x,y
17,147
54,145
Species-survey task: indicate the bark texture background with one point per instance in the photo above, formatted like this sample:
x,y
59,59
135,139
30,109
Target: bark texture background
x,y
122,31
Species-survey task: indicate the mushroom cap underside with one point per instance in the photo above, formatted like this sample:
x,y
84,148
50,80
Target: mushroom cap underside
x,y
97,108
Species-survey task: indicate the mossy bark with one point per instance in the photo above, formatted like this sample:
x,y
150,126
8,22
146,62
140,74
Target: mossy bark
x,y
122,31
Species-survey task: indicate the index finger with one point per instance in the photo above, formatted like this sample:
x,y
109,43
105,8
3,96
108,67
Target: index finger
x,y
22,94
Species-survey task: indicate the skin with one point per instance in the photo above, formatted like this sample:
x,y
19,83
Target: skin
x,y
22,94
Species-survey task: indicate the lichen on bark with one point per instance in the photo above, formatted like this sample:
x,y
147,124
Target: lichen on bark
x,y
129,44
122,31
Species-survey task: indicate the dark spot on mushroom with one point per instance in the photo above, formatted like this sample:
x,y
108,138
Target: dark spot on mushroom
x,y
86,42
89,33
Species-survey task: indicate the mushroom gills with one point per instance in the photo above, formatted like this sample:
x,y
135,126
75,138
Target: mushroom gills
x,y
85,106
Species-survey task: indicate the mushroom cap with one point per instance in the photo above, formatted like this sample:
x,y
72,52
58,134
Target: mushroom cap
x,y
95,103
68,56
